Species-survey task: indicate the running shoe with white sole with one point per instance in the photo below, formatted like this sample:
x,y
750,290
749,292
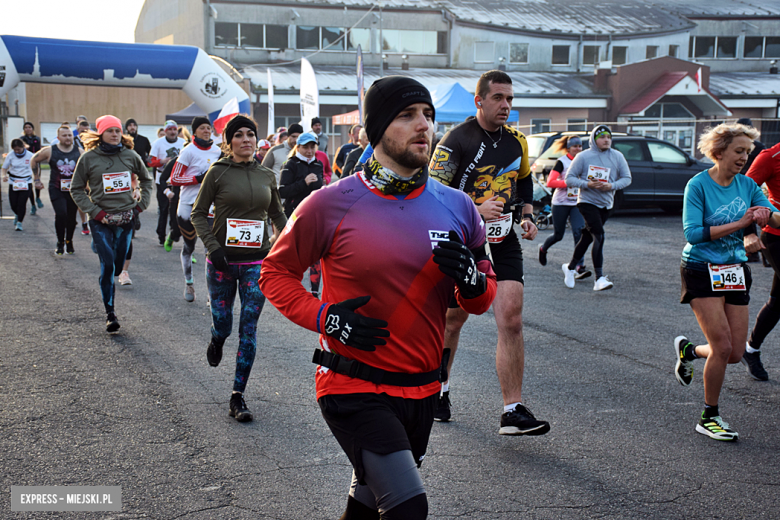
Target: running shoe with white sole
x,y
568,276
443,412
754,366
602,284
84,229
69,247
683,370
189,292
521,421
716,428
124,278
582,273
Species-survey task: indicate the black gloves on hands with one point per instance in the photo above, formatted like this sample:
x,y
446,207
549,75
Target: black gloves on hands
x,y
458,262
219,260
352,329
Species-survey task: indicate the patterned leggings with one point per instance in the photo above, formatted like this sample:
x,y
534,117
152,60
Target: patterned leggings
x,y
222,290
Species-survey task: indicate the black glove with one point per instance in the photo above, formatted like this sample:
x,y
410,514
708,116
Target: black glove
x,y
219,260
352,329
458,262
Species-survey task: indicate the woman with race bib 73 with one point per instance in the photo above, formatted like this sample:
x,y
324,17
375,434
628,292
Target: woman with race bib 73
x,y
244,196
108,167
718,205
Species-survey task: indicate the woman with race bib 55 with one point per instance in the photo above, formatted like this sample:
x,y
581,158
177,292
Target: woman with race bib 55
x,y
107,167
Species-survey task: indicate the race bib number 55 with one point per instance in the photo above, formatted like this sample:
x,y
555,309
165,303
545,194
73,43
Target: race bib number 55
x,y
114,183
244,233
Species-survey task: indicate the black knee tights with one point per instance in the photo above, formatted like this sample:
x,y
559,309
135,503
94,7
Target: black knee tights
x,y
65,211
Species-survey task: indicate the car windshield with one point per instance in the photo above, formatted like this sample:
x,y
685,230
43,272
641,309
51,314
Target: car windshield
x,y
535,145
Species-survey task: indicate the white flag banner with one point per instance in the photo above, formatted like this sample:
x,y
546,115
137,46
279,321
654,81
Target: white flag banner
x,y
310,95
271,118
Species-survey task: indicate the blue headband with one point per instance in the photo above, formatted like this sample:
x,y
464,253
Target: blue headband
x,y
573,141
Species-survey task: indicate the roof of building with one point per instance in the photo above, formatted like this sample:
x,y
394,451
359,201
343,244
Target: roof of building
x,y
654,92
730,84
575,17
339,79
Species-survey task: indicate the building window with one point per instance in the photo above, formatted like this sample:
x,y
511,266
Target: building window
x,y
226,34
591,54
674,50
651,52
328,35
252,35
577,125
360,37
727,47
619,55
723,47
307,37
276,37
761,47
484,52
518,53
412,42
540,125
560,55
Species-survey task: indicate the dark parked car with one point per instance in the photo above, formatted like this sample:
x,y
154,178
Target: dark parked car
x,y
659,170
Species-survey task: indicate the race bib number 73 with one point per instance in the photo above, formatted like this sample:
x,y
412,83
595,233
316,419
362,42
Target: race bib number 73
x,y
244,233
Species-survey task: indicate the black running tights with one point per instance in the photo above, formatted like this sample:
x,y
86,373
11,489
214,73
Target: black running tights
x,y
18,201
593,232
769,314
65,211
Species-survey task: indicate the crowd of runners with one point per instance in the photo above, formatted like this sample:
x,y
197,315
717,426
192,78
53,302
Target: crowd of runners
x,y
402,242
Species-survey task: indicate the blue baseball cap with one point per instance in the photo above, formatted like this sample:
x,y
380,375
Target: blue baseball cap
x,y
306,137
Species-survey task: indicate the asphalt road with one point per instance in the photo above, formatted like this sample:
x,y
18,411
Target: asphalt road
x,y
143,410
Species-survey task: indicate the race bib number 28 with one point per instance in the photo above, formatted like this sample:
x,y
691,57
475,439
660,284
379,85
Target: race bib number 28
x,y
498,229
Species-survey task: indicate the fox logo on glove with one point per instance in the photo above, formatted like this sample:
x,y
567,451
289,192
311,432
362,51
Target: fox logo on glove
x,y
332,325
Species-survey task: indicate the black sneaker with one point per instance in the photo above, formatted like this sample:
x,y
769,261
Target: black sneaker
x,y
716,428
582,272
542,256
112,324
238,408
521,421
443,413
754,366
683,370
214,352
69,247
60,249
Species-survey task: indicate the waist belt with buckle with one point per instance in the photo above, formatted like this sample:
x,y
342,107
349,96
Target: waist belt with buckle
x,y
360,370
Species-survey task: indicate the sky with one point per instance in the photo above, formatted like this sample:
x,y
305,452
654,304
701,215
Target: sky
x,y
95,20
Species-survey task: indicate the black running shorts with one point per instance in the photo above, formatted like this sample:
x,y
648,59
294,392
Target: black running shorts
x,y
696,284
379,423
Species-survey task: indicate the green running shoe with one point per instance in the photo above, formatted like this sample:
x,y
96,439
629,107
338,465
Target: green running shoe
x,y
683,370
716,428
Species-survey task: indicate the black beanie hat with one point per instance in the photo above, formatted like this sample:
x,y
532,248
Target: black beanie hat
x,y
129,122
386,98
295,128
239,121
315,120
199,120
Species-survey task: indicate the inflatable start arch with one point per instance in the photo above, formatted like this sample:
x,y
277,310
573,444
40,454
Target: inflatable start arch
x,y
44,60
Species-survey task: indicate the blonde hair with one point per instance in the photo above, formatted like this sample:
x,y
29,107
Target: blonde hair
x,y
185,134
715,140
91,140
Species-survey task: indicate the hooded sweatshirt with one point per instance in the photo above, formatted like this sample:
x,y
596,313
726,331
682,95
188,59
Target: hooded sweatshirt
x,y
240,192
99,170
610,164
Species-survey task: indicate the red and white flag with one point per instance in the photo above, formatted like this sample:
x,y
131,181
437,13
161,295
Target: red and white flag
x,y
698,78
228,111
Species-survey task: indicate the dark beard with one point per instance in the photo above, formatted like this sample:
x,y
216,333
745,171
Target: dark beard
x,y
403,156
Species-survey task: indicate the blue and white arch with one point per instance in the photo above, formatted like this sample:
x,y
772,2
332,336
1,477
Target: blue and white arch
x,y
44,60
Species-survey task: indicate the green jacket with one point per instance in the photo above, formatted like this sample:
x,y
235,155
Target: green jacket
x,y
242,191
91,170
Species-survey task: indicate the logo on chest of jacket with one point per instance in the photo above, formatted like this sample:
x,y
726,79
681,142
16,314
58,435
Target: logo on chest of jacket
x,y
437,236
